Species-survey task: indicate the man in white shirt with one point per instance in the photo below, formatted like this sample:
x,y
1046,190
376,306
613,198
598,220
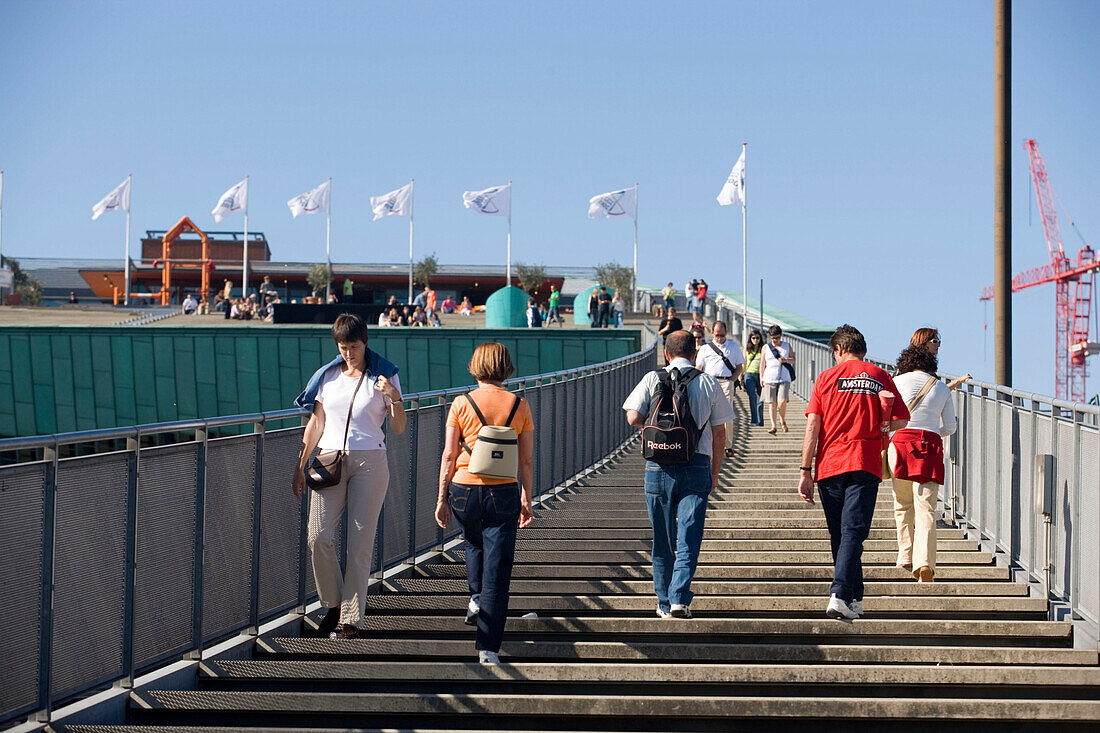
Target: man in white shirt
x,y
190,305
723,360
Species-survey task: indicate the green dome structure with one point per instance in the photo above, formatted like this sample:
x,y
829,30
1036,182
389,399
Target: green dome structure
x,y
580,307
506,308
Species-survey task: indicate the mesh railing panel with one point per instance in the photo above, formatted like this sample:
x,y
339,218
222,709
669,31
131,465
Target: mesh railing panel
x,y
429,448
1023,533
89,571
531,394
394,522
544,441
1006,491
280,522
227,536
168,479
21,524
987,486
561,449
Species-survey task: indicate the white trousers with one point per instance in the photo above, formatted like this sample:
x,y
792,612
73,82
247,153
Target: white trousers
x,y
915,517
362,488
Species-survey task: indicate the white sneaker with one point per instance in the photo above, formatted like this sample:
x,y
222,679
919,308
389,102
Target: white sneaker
x,y
679,610
487,657
839,609
472,611
663,614
857,608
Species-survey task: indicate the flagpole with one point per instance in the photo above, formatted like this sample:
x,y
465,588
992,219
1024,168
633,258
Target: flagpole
x,y
411,191
744,257
328,233
509,267
129,197
634,285
244,267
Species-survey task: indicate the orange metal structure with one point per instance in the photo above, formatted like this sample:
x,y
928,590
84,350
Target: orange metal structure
x,y
183,225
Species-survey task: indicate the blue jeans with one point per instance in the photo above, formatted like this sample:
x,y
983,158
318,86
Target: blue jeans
x,y
849,503
489,516
618,319
756,407
669,303
676,497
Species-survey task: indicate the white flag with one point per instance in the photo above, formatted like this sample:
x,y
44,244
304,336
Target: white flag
x,y
734,190
235,199
395,202
495,201
311,202
117,199
613,204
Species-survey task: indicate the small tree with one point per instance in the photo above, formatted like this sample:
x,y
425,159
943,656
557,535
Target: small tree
x,y
531,277
617,277
24,284
425,270
319,277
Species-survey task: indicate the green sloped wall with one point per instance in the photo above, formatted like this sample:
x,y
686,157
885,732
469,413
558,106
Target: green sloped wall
x,y
61,379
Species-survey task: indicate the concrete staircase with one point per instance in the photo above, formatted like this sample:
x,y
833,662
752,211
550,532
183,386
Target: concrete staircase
x,y
971,650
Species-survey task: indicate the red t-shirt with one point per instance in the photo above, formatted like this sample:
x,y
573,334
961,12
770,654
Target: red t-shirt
x,y
846,398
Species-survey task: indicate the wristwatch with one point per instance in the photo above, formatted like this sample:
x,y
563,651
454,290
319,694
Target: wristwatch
x,y
804,468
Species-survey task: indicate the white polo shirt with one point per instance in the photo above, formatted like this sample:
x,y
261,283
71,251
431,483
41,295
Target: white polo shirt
x,y
711,363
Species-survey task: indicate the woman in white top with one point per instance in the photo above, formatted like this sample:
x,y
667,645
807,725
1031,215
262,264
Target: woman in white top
x,y
618,309
916,459
364,476
776,377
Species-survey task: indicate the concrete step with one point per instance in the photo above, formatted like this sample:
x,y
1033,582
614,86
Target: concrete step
x,y
579,520
943,632
725,572
578,557
719,545
672,674
618,603
713,587
640,650
291,708
644,533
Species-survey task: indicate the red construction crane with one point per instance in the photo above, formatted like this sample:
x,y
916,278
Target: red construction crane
x,y
1071,316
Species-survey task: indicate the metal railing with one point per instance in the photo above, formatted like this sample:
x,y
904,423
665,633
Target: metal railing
x,y
115,563
1023,472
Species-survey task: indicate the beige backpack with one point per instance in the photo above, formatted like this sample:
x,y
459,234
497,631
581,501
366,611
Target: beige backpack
x,y
496,451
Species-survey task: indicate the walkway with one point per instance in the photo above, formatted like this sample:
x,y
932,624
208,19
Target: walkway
x,y
760,653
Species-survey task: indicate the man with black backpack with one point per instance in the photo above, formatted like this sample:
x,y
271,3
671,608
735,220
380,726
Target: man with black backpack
x,y
682,413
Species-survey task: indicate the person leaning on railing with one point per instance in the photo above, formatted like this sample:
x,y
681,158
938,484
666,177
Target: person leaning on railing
x,y
489,509
351,398
916,459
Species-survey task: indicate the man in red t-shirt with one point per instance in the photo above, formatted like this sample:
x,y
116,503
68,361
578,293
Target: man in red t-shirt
x,y
844,433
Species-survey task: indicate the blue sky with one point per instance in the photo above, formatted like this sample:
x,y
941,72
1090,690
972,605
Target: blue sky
x,y
869,128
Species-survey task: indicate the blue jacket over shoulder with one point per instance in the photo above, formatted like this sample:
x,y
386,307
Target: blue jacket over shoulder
x,y
377,366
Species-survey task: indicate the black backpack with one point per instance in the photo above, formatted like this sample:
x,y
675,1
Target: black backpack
x,y
671,435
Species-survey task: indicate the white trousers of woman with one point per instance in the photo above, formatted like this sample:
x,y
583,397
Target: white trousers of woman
x,y
362,488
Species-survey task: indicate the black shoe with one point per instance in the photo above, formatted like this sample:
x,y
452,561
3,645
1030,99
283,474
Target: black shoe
x,y
729,452
329,622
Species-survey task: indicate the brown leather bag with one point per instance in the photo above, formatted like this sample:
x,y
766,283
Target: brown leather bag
x,y
325,469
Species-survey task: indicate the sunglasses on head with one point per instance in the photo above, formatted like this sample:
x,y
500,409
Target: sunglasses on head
x,y
935,341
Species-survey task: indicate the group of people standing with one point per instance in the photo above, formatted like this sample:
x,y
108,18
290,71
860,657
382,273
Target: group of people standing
x,y
605,309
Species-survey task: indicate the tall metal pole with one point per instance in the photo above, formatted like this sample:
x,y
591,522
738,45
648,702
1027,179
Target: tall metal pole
x,y
634,284
126,265
508,269
328,232
1002,191
762,308
411,204
244,266
744,255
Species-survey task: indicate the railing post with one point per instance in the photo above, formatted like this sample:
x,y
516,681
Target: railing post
x,y
414,447
202,436
45,611
303,540
259,429
133,446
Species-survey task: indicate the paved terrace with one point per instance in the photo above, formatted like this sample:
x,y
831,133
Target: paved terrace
x,y
972,650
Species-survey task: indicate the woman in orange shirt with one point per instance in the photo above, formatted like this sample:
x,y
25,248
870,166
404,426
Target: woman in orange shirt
x,y
490,510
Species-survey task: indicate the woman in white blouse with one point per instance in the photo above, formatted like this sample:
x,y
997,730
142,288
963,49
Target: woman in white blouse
x,y
352,397
916,459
